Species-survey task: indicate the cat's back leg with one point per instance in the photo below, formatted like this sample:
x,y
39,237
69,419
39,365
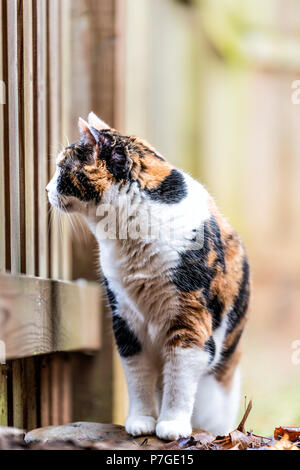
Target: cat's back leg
x,y
217,404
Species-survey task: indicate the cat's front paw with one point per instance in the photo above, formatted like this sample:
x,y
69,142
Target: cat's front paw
x,y
173,429
140,425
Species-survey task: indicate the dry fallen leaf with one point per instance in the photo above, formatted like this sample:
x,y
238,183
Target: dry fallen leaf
x,y
284,444
293,433
244,441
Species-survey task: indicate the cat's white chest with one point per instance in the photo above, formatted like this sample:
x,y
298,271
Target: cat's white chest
x,y
139,282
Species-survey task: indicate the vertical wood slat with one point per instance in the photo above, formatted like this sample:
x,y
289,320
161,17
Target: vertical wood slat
x,y
65,99
24,393
40,25
55,380
45,401
2,167
17,393
3,395
30,397
66,391
54,124
15,208
28,137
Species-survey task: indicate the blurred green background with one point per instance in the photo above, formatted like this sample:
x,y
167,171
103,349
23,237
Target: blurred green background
x,y
209,83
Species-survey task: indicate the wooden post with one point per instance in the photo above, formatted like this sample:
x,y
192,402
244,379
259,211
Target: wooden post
x,y
3,395
14,151
28,138
41,141
2,153
45,400
18,391
65,99
54,125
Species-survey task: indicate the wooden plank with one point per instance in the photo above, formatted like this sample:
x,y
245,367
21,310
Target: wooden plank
x,y
28,137
102,57
3,395
45,401
66,390
55,391
93,380
30,401
46,316
5,135
13,105
54,128
18,388
41,147
2,163
65,77
119,66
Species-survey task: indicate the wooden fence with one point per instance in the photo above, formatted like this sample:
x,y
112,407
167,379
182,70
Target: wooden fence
x,y
43,316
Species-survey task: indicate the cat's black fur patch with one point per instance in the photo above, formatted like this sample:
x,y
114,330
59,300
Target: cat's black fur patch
x,y
227,353
216,306
240,304
171,190
210,346
67,188
217,243
117,163
193,273
76,155
111,296
128,344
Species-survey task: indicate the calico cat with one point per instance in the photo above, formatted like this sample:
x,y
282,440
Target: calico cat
x,y
179,297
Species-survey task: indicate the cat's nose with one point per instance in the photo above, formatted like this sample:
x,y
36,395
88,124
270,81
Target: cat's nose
x,y
47,190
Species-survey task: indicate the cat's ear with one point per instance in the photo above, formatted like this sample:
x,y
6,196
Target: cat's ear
x,y
88,133
97,123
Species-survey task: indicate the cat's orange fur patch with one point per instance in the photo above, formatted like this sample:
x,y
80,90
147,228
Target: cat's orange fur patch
x,y
193,326
226,374
148,170
99,176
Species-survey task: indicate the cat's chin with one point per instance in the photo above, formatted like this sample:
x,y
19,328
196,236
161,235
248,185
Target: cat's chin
x,y
67,207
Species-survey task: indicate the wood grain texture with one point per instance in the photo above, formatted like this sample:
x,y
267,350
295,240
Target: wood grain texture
x,y
41,140
14,154
30,399
28,137
54,126
45,399
66,390
3,395
43,316
65,101
93,380
18,387
2,164
55,390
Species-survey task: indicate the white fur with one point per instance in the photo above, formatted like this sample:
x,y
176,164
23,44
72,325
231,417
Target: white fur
x,y
215,408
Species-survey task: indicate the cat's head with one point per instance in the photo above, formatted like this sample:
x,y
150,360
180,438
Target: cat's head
x,y
86,169
101,162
